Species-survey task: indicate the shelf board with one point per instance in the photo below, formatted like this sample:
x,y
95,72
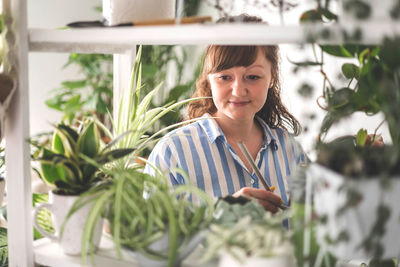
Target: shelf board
x,y
118,40
48,253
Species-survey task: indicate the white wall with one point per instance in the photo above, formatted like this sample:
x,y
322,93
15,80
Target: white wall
x,y
45,69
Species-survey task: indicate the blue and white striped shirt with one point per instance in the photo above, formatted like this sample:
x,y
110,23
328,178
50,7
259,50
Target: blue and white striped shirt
x,y
202,151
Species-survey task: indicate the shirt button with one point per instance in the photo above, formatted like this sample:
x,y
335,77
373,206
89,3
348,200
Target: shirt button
x,y
252,181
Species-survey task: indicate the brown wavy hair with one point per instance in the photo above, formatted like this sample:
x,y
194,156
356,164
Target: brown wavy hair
x,y
218,58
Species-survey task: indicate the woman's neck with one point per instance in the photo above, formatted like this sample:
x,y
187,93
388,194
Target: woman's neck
x,y
234,130
246,131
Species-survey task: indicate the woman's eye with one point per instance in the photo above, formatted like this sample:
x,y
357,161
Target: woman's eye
x,y
253,77
224,77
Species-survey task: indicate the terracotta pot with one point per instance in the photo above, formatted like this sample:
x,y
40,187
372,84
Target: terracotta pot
x,y
71,239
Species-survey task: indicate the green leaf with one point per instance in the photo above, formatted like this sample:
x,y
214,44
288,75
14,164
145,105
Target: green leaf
x,y
336,50
311,16
57,144
350,70
328,14
73,104
317,15
50,171
361,137
55,103
306,63
67,140
1,23
101,106
390,52
74,84
113,155
150,70
68,132
88,141
340,97
44,216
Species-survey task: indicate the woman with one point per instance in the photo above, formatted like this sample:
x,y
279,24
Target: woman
x,y
243,103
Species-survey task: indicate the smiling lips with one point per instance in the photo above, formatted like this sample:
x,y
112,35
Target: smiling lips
x,y
239,103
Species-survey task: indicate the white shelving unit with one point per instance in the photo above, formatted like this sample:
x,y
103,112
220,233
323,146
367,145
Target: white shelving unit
x,y
23,252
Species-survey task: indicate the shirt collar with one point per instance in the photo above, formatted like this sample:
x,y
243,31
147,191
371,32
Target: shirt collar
x,y
213,131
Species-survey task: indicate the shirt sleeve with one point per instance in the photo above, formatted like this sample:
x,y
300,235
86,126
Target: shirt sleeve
x,y
300,156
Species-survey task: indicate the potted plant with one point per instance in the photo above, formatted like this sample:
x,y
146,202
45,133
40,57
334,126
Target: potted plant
x,y
356,183
158,225
71,166
243,234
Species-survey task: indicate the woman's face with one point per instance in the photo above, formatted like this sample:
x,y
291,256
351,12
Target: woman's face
x,y
240,92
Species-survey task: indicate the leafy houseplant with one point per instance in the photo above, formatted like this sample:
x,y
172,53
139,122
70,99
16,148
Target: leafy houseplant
x,y
66,164
90,96
243,234
358,183
158,226
71,165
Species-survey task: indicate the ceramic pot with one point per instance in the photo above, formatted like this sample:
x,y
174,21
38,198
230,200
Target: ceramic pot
x,y
162,245
330,195
127,11
71,239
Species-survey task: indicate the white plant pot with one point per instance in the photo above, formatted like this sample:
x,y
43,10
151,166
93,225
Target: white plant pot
x,y
71,239
330,194
162,245
281,261
127,11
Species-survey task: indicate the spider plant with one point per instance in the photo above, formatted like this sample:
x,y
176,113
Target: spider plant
x,y
136,117
141,208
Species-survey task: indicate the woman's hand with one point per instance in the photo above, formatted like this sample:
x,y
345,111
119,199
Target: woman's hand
x,y
267,199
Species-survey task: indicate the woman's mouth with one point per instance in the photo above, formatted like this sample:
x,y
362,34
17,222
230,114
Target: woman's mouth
x,y
239,103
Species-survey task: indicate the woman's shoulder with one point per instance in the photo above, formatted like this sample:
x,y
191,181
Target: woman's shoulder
x,y
180,132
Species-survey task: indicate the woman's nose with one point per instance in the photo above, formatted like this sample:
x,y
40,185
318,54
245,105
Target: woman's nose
x,y
239,88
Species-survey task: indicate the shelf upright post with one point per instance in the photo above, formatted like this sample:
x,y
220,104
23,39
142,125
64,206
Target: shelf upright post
x,y
18,179
123,64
